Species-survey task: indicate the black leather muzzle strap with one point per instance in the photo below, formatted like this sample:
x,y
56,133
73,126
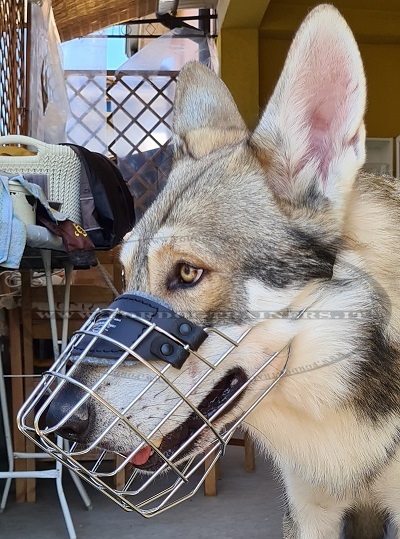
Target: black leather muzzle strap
x,y
126,331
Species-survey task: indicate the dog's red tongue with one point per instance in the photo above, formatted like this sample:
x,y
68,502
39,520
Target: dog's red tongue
x,y
142,456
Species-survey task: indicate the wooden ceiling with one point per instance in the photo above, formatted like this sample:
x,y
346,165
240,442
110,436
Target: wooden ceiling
x,y
77,18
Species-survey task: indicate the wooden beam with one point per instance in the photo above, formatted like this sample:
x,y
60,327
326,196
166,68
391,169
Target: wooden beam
x,y
238,52
369,25
240,69
236,14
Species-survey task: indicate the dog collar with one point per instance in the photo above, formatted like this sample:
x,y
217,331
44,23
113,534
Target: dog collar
x,y
171,342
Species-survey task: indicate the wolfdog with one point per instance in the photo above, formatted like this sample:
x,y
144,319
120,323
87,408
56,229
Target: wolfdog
x,y
278,220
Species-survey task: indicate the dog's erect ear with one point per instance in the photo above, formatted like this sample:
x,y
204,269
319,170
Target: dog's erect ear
x,y
311,136
205,116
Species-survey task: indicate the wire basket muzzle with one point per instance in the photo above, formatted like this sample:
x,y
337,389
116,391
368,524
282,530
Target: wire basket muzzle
x,y
132,382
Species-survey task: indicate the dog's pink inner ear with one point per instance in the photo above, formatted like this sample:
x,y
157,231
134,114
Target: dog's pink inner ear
x,y
313,124
331,108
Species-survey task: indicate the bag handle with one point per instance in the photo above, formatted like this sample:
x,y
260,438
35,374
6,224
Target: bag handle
x,y
23,139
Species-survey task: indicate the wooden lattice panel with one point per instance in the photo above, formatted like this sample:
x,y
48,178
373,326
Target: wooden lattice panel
x,y
141,111
87,99
141,105
129,117
12,67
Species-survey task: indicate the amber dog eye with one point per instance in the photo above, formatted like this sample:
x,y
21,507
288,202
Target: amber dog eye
x,y
188,274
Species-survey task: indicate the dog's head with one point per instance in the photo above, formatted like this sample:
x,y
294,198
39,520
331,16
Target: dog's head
x,y
246,222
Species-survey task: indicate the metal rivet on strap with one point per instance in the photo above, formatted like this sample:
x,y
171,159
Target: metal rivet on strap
x,y
185,329
167,349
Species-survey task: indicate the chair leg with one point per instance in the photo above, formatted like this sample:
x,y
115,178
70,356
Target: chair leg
x,y
210,482
64,504
218,469
249,460
120,477
7,433
5,494
82,491
27,346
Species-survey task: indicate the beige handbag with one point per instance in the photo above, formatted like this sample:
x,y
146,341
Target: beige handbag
x,y
61,165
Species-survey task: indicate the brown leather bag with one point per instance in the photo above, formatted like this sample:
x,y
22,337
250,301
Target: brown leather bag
x,y
78,245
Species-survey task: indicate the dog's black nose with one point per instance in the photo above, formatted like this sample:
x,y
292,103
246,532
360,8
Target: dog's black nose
x,y
75,427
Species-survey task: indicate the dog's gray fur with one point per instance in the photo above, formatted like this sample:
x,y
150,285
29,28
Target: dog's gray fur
x,y
281,218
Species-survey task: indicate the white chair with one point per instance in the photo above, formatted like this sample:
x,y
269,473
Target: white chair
x,y
55,472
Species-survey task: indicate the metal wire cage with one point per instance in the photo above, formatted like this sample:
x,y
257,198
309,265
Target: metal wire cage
x,y
178,474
